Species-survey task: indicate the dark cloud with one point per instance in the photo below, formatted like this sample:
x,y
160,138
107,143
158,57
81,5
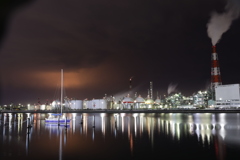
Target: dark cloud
x,y
100,44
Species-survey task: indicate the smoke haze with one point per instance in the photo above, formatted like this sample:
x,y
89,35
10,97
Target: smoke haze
x,y
221,22
171,88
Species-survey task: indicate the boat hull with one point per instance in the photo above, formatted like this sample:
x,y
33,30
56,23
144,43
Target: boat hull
x,y
57,120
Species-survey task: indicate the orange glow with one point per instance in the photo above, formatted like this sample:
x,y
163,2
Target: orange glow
x,y
82,78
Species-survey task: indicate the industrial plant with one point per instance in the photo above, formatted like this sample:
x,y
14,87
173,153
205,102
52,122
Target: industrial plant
x,y
217,96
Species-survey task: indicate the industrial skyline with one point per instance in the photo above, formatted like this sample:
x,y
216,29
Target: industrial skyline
x,y
102,46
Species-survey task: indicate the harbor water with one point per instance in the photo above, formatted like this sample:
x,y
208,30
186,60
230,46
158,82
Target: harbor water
x,y
208,136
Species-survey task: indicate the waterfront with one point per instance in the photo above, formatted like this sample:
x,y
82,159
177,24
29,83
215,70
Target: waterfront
x,y
121,136
128,111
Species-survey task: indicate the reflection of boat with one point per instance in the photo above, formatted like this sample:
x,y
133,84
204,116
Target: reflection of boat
x,y
58,118
53,125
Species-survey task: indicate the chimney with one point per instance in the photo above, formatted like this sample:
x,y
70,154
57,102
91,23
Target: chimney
x,y
148,96
130,83
151,90
215,70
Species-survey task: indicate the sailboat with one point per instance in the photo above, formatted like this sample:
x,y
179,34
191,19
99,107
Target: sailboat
x,y
52,119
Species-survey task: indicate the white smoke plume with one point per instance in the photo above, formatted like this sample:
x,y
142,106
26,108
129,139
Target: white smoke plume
x,y
221,22
171,88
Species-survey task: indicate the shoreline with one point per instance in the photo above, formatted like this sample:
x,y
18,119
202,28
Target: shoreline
x,y
128,111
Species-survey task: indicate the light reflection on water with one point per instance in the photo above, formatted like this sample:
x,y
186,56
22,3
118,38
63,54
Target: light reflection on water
x,y
127,134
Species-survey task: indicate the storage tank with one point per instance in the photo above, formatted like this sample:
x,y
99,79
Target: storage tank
x,y
42,107
56,104
157,103
149,102
36,107
139,102
87,104
76,104
99,104
114,105
48,107
127,102
30,107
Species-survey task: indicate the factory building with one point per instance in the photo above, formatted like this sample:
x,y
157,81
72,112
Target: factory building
x,y
200,99
173,100
227,96
177,100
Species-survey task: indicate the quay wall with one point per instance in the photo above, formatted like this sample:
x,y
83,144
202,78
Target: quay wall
x,y
127,111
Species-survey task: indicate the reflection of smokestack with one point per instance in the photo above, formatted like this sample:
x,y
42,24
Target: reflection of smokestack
x,y
151,90
215,70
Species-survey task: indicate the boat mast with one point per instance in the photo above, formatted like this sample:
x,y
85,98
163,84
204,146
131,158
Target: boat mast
x,y
61,89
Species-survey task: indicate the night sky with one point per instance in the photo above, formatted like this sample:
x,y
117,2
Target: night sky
x,y
102,44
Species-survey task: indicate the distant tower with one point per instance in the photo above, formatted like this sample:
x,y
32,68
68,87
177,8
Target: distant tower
x,y
39,101
47,102
148,95
151,90
215,70
105,96
130,83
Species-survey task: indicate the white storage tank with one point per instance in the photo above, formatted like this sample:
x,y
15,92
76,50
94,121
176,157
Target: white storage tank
x,y
139,102
87,104
157,103
99,104
42,107
113,104
48,107
76,104
56,104
127,102
36,107
30,107
149,102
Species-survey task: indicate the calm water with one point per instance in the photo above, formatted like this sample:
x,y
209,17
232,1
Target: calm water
x,y
122,136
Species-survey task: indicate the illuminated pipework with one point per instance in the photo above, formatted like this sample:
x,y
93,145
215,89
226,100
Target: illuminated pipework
x,y
215,69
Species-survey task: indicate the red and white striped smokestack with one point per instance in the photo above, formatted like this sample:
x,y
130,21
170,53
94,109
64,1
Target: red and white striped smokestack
x,y
215,70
